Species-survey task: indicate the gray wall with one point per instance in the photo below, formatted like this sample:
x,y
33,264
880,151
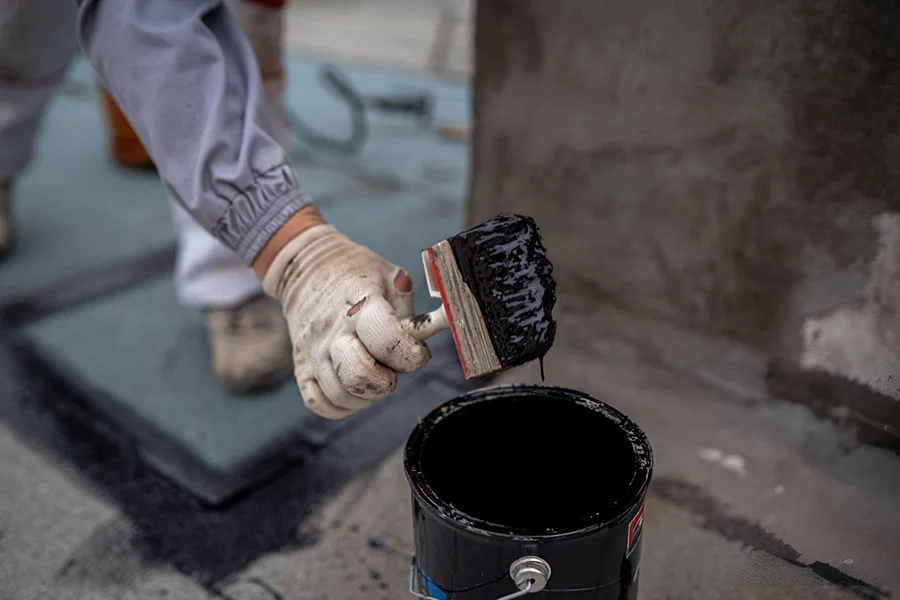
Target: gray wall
x,y
729,165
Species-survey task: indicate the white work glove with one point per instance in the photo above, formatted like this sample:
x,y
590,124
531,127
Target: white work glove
x,y
343,312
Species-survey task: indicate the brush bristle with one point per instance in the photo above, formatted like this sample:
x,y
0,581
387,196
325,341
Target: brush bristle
x,y
505,265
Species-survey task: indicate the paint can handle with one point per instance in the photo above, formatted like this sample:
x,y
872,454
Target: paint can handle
x,y
530,574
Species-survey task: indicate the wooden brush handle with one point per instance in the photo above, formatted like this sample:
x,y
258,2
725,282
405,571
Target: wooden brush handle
x,y
423,326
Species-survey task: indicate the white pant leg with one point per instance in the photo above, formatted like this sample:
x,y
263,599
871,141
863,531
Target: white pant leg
x,y
208,273
37,43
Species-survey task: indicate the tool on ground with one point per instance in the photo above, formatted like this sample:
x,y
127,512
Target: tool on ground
x,y
418,105
497,290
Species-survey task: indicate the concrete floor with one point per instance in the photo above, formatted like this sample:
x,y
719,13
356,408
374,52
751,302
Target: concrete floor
x,y
800,518
362,551
797,512
746,466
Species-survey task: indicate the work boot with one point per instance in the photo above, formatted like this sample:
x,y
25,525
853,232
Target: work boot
x,y
6,224
250,345
125,146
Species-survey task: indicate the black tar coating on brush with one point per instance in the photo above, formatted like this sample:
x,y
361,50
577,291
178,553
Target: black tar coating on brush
x,y
505,265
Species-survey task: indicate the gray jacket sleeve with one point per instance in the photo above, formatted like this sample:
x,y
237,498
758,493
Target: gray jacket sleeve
x,y
187,80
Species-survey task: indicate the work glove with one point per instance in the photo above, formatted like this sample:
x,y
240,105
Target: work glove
x,y
344,312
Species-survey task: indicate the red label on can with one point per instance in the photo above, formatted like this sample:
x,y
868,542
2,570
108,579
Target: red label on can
x,y
634,531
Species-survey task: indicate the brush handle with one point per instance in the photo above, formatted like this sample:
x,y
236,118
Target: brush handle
x,y
423,326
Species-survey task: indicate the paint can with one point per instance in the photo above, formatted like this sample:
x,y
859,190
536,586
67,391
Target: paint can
x,y
521,490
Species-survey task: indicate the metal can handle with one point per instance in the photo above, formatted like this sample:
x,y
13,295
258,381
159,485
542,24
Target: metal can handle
x,y
530,574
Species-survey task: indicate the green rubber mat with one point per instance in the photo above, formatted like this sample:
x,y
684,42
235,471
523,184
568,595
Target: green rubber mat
x,y
74,209
143,363
142,360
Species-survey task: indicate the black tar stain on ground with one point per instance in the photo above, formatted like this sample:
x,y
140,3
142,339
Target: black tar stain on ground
x,y
841,579
169,526
715,517
86,286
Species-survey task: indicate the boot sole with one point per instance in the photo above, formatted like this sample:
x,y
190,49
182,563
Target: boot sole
x,y
264,384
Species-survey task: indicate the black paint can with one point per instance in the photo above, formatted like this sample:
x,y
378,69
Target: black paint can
x,y
522,491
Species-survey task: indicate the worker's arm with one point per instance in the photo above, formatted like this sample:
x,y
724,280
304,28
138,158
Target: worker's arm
x,y
187,80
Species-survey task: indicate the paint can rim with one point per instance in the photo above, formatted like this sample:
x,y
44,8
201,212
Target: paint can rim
x,y
623,507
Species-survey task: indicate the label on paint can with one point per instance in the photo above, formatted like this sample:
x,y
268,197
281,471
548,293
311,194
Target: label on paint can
x,y
635,528
430,589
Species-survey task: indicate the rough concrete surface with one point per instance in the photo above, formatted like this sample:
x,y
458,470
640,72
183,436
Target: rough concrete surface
x,y
752,499
863,342
730,166
365,553
363,549
43,519
747,465
54,532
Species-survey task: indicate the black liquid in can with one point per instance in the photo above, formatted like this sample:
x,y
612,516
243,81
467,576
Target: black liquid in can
x,y
537,473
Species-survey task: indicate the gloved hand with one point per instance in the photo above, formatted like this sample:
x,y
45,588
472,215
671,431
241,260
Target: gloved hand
x,y
343,310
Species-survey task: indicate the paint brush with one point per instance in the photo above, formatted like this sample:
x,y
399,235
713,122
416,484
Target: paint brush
x,y
497,291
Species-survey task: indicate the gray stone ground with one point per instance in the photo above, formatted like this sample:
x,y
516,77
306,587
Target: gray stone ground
x,y
47,518
759,526
747,466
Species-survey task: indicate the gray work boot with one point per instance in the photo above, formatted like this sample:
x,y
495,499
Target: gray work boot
x,y
250,345
6,225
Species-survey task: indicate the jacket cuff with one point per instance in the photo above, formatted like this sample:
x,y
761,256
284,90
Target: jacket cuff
x,y
258,211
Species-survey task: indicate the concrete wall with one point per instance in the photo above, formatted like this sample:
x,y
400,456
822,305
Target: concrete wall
x,y
731,166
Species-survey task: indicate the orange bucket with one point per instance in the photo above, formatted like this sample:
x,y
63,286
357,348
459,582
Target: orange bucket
x,y
124,144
